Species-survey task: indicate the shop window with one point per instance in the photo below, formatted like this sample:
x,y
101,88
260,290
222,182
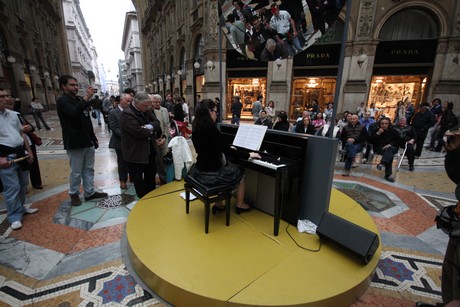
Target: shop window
x,y
304,90
247,89
386,91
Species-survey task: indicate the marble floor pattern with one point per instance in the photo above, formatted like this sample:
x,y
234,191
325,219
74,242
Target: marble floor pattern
x,y
66,256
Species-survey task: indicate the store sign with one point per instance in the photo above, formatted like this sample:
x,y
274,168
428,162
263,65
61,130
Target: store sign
x,y
319,55
418,51
237,60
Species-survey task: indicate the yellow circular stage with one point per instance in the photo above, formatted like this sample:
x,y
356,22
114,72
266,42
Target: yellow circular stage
x,y
242,264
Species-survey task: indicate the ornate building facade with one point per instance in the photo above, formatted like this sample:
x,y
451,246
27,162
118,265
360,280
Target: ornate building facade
x,y
33,49
83,56
132,71
395,50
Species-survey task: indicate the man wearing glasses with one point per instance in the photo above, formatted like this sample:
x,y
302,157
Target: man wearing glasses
x,y
79,139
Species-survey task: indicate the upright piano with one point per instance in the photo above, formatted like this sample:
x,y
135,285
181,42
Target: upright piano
x,y
274,183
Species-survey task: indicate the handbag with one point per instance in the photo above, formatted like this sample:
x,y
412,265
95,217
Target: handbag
x,y
168,158
35,138
447,221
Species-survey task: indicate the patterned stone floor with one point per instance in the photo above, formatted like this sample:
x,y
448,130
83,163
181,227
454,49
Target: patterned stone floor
x,y
67,256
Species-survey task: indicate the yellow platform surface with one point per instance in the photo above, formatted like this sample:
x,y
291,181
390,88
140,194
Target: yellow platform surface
x,y
242,264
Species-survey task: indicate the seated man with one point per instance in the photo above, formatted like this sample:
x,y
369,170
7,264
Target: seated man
x,y
386,142
353,136
264,120
407,135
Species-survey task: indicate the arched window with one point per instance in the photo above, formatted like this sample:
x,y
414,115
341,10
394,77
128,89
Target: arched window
x,y
409,24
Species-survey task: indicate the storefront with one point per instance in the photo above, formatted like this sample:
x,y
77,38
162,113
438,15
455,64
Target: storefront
x,y
248,89
315,75
401,73
247,79
386,91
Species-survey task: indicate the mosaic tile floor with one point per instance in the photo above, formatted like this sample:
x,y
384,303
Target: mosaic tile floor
x,y
66,256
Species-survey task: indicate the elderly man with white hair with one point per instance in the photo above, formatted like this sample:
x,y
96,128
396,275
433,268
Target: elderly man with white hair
x,y
162,115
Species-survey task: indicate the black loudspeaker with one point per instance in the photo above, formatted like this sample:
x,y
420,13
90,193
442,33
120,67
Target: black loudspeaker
x,y
357,240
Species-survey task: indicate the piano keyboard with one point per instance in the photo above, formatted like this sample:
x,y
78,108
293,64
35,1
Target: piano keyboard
x,y
266,164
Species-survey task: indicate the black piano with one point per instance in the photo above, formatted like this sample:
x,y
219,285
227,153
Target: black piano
x,y
274,183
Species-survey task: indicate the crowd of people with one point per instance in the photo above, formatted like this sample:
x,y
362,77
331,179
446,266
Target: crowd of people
x,y
279,30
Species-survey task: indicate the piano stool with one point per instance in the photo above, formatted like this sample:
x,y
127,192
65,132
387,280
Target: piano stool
x,y
208,195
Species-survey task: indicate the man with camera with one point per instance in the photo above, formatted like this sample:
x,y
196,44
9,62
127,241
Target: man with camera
x,y
79,139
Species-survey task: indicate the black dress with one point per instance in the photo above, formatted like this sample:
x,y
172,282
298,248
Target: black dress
x,y
211,149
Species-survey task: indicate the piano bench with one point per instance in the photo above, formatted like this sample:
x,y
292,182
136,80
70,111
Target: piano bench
x,y
208,195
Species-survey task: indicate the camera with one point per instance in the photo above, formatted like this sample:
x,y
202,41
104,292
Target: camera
x,y
94,90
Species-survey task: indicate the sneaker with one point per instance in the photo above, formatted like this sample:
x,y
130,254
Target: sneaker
x,y
346,173
31,211
389,179
380,166
16,225
411,168
354,165
75,200
364,161
97,195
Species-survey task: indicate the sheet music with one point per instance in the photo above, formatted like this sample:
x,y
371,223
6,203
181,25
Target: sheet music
x,y
250,136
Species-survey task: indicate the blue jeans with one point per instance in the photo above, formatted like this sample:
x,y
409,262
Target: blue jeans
x,y
15,182
81,169
350,151
387,158
98,116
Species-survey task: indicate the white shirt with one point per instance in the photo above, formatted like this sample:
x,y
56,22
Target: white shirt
x,y
10,133
281,24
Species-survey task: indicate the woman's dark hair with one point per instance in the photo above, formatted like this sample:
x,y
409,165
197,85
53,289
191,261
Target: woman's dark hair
x,y
283,116
202,116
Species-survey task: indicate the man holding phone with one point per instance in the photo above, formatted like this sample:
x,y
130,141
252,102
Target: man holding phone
x,y
79,139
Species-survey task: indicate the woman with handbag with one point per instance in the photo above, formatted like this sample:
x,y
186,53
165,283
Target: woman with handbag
x,y
36,111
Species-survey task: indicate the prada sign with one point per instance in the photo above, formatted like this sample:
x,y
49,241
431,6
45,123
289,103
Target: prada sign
x,y
319,55
237,60
414,51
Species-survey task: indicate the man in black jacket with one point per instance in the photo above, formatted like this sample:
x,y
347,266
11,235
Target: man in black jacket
x,y
422,121
140,136
386,143
407,135
353,136
79,139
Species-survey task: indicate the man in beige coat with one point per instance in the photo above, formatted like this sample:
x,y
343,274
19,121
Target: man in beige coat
x,y
163,116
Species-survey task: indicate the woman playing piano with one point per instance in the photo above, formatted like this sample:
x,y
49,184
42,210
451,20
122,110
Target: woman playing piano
x,y
211,149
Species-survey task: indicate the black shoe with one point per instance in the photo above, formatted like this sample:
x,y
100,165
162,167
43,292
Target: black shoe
x,y
75,200
240,210
411,168
97,195
216,209
380,166
38,187
389,179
